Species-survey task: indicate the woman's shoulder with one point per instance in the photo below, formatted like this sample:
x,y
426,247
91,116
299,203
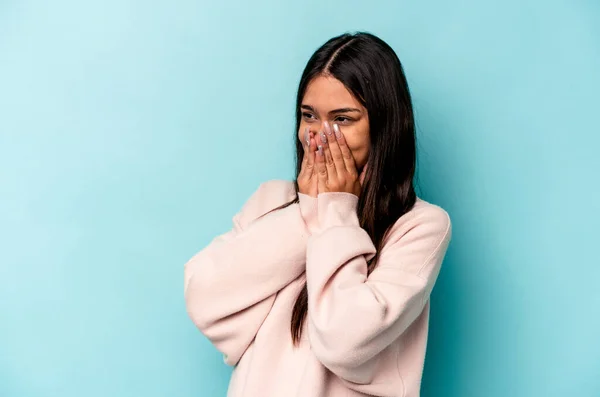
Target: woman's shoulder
x,y
424,209
266,197
273,193
424,219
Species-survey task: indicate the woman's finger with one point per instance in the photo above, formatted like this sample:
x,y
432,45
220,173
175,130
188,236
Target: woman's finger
x,y
363,174
310,161
331,171
321,170
345,150
336,152
306,146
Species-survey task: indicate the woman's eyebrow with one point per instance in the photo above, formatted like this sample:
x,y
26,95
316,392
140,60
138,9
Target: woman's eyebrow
x,y
335,111
344,110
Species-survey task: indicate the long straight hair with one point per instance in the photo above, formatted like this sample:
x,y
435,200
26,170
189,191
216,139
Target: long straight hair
x,y
370,69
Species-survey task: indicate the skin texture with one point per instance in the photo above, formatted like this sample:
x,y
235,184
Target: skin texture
x,y
328,107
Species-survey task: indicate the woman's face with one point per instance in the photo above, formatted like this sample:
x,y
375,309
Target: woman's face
x,y
327,99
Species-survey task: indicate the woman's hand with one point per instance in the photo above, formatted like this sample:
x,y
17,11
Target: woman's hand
x,y
307,179
335,164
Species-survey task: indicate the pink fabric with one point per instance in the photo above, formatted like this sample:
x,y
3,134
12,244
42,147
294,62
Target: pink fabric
x,y
364,336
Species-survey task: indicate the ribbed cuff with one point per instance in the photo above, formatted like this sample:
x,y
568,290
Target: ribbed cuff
x,y
308,209
337,209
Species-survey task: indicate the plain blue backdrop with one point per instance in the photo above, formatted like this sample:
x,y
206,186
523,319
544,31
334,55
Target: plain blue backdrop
x,y
131,131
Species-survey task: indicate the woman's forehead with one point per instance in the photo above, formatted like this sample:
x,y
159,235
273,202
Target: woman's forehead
x,y
328,92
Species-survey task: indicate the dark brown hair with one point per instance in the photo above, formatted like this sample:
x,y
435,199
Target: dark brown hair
x,y
370,69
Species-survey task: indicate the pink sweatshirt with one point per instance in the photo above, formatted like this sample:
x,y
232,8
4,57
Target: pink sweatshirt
x,y
364,336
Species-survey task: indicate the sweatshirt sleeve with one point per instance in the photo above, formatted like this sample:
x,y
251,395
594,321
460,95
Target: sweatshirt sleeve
x,y
230,285
353,317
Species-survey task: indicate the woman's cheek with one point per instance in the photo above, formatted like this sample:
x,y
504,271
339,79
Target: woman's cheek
x,y
360,151
361,159
357,146
301,132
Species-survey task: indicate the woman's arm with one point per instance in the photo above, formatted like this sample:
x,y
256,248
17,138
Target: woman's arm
x,y
352,317
231,284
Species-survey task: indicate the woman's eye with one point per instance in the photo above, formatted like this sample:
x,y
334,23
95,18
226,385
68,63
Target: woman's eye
x,y
307,115
342,119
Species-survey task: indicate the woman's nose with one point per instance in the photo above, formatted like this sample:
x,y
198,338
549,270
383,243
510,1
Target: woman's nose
x,y
315,128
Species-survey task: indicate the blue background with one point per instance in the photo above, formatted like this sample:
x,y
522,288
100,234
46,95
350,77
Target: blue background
x,y
131,132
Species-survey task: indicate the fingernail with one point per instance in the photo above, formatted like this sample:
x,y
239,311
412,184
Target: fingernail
x,y
338,134
327,128
320,150
307,136
323,137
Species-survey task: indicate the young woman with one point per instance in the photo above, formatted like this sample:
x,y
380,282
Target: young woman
x,y
321,289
